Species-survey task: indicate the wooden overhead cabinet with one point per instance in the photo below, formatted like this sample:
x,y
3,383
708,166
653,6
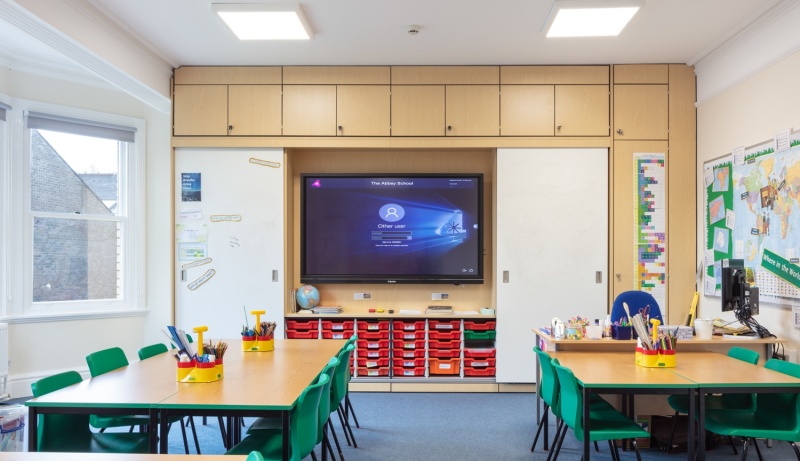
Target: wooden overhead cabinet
x,y
418,110
641,112
472,110
527,110
200,110
309,110
362,110
582,110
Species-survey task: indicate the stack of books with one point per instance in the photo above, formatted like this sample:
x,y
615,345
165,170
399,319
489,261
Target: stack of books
x,y
327,310
439,310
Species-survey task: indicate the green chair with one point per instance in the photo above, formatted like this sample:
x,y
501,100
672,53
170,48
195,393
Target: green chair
x,y
548,390
304,421
775,416
71,433
102,362
742,402
254,456
606,425
158,349
274,423
341,380
348,406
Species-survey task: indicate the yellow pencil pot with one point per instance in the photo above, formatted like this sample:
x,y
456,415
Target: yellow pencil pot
x,y
265,343
184,368
248,343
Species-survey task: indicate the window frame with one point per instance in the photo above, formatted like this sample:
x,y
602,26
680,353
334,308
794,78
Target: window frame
x,y
18,265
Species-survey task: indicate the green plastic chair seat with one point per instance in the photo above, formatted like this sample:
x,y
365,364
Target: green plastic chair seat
x,y
303,429
71,433
776,415
151,351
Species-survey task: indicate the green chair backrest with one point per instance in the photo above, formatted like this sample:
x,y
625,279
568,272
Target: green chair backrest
x,y
254,456
741,401
325,400
341,377
102,362
570,399
781,410
305,419
745,355
548,385
60,432
152,350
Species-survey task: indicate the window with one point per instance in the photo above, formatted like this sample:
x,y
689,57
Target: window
x,y
79,227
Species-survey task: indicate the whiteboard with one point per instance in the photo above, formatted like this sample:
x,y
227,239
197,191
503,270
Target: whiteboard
x,y
552,240
230,243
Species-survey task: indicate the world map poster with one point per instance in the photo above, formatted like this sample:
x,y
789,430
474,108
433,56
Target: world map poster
x,y
758,218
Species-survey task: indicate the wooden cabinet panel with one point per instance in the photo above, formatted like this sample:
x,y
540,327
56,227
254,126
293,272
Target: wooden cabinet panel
x,y
309,110
445,75
228,75
200,110
554,75
363,110
418,110
641,73
527,110
254,110
472,110
622,192
582,110
641,112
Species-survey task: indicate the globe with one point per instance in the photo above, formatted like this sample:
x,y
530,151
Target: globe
x,y
307,297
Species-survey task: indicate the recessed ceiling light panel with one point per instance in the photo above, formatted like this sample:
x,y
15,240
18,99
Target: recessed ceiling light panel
x,y
576,18
254,21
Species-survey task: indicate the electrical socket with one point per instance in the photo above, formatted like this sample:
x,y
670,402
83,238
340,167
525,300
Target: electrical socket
x,y
439,296
360,296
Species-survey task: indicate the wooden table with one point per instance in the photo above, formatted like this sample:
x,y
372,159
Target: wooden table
x,y
617,373
696,373
254,384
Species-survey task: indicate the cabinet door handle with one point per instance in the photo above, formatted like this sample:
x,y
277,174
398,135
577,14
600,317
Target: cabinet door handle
x,y
619,131
230,128
449,127
558,128
340,128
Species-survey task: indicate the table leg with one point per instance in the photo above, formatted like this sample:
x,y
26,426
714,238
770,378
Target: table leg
x,y
701,424
33,431
587,452
163,430
152,431
285,424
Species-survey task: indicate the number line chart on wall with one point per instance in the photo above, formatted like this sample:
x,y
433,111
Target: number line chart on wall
x,y
650,225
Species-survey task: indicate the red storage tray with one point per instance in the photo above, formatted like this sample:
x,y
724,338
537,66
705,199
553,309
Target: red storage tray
x,y
444,353
404,345
479,325
372,353
292,324
408,326
454,344
480,352
444,324
444,335
478,363
302,334
373,371
365,325
444,366
408,335
411,362
346,334
488,371
373,363
337,325
408,353
371,335
399,372
373,344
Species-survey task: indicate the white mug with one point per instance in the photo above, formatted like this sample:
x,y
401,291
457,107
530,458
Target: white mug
x,y
703,328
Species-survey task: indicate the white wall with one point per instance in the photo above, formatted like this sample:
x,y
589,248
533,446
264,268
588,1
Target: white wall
x,y
39,349
748,113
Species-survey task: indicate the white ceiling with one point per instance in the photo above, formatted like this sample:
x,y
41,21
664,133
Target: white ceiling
x,y
374,32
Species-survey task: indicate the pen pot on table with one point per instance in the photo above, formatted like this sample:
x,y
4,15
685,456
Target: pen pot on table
x,y
248,343
219,368
184,368
620,332
265,343
206,372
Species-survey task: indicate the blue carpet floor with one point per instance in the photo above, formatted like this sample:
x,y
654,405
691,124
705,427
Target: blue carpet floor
x,y
464,427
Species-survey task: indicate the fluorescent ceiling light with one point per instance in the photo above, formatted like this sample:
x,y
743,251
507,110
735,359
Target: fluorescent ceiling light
x,y
253,21
575,18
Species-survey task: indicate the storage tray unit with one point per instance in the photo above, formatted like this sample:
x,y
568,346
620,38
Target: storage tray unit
x,y
336,325
373,348
479,353
302,329
403,325
479,325
372,325
381,362
399,372
444,325
408,335
444,353
343,334
372,372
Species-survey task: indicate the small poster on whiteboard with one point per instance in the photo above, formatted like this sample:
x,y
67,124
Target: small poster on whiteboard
x,y
190,187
